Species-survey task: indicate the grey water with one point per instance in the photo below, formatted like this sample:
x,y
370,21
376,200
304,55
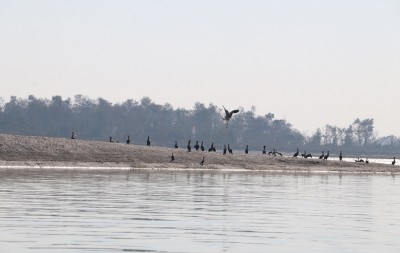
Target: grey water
x,y
43,210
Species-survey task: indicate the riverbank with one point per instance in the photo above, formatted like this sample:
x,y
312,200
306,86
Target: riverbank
x,y
18,151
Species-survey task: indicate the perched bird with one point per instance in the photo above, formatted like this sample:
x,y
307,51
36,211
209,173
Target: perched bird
x,y
366,161
189,147
111,140
394,161
297,153
326,156
228,115
201,146
212,148
196,146
321,156
202,161
148,140
359,160
230,150
224,150
264,151
74,136
246,151
172,158
340,156
128,140
176,144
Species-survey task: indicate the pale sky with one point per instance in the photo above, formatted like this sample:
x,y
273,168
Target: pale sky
x,y
311,62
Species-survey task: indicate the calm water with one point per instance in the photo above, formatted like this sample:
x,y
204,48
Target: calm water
x,y
189,211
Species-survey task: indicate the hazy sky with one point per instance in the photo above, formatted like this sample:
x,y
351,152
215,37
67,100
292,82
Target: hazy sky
x,y
311,62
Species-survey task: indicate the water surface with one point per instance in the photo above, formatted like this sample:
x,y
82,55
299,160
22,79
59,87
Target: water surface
x,y
192,211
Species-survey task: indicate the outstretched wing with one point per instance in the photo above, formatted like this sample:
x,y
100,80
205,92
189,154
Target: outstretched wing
x,y
226,113
232,112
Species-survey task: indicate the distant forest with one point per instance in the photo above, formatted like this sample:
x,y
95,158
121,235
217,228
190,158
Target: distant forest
x,y
97,119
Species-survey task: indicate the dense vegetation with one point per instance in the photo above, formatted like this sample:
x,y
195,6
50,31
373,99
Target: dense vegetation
x,y
97,119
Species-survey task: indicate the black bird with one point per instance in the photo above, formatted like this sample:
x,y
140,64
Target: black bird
x,y
264,151
230,150
276,152
212,148
340,156
359,160
297,153
228,115
189,147
321,156
201,146
176,144
366,161
394,161
326,156
246,151
128,140
172,158
74,136
196,146
148,140
224,151
111,140
202,161
308,156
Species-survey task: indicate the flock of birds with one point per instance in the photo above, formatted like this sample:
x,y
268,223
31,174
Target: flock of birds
x,y
228,115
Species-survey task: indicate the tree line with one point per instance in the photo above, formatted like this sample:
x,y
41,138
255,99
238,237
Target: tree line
x,y
97,119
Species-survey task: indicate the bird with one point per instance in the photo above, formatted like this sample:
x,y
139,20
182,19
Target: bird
x,y
111,140
321,156
340,156
326,156
201,146
176,144
228,115
148,140
189,147
297,153
394,161
366,161
196,146
128,140
359,160
230,150
264,151
74,136
246,151
224,151
202,161
212,148
172,158
308,156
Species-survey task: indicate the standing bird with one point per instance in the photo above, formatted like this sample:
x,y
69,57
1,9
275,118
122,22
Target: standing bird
x,y
264,151
189,147
128,140
394,161
172,158
74,136
326,156
321,156
230,150
224,151
176,144
148,140
111,140
202,161
196,146
228,115
297,153
246,151
340,156
366,161
201,146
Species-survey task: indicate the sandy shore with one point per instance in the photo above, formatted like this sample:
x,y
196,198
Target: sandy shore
x,y
47,152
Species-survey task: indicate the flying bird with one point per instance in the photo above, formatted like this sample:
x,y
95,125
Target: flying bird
x,y
228,115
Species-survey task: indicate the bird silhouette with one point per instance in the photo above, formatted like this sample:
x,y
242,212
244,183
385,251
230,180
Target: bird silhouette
x,y
224,150
189,147
201,146
128,140
297,153
196,146
394,161
73,136
340,156
111,140
326,156
172,158
228,115
202,161
246,151
264,151
321,156
148,140
176,144
230,150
